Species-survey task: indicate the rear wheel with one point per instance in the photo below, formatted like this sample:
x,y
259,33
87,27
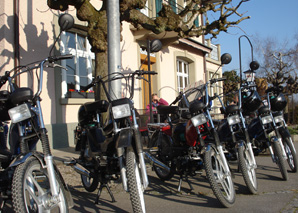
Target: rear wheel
x,y
291,153
219,177
247,165
134,181
90,183
280,160
164,154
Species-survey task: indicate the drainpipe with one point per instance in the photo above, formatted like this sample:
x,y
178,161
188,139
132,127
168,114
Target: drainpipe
x,y
114,55
204,57
16,12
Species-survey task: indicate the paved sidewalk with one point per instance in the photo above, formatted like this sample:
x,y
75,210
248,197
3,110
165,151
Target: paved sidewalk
x,y
63,154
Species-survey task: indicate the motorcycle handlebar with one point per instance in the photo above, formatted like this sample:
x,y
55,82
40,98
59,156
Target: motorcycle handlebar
x,y
60,57
274,89
141,72
212,81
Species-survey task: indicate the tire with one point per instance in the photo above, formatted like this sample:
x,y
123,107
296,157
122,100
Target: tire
x,y
163,156
31,176
134,181
248,170
291,153
90,183
279,159
222,185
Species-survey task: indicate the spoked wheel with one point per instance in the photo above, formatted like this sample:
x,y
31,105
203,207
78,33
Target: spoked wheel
x,y
163,154
291,153
219,177
248,168
90,183
279,159
134,181
31,189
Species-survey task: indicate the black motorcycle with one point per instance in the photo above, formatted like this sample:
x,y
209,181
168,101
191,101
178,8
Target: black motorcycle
x,y
233,131
111,149
265,135
189,142
277,103
28,177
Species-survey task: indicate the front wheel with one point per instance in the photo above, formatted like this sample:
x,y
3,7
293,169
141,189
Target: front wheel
x,y
291,153
134,181
248,168
219,177
280,160
31,189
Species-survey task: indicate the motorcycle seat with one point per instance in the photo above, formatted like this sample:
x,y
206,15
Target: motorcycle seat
x,y
263,110
21,95
99,106
165,110
232,109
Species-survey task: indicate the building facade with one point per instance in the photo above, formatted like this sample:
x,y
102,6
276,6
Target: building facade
x,y
28,32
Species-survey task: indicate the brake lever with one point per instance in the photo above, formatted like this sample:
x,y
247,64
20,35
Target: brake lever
x,y
53,65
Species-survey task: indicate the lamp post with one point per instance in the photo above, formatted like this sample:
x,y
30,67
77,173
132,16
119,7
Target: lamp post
x,y
152,46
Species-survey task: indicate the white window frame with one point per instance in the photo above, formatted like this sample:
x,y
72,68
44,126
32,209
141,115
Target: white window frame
x,y
184,74
77,53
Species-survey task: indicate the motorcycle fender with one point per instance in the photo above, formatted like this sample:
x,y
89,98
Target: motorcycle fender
x,y
284,132
274,139
125,138
240,143
67,192
20,159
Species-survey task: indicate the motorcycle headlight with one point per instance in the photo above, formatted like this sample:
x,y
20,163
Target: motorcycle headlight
x,y
278,119
19,113
267,119
121,111
234,119
199,120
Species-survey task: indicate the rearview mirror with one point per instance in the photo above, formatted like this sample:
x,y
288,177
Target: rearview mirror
x,y
66,21
155,45
254,65
225,58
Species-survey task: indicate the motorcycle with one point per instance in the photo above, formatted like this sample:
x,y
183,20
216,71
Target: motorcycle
x,y
265,135
233,131
190,143
30,178
112,149
277,104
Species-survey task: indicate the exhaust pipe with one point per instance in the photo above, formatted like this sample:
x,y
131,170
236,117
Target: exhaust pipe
x,y
77,167
81,170
157,162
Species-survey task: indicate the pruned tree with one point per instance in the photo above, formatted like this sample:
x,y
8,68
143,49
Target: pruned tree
x,y
278,63
230,85
167,20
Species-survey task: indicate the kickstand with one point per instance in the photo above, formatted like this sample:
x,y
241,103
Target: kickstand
x,y
180,183
99,192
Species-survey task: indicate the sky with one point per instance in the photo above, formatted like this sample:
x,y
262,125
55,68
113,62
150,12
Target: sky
x,y
276,19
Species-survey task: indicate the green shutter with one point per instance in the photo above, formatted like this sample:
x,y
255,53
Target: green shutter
x,y
158,6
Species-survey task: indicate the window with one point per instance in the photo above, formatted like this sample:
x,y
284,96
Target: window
x,y
79,69
145,10
182,74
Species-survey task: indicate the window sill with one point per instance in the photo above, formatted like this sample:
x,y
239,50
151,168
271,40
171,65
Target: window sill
x,y
75,101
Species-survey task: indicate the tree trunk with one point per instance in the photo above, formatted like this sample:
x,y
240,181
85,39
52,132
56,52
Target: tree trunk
x,y
101,69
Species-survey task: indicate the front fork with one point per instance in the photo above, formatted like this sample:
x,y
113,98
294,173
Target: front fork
x,y
49,162
139,149
221,153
